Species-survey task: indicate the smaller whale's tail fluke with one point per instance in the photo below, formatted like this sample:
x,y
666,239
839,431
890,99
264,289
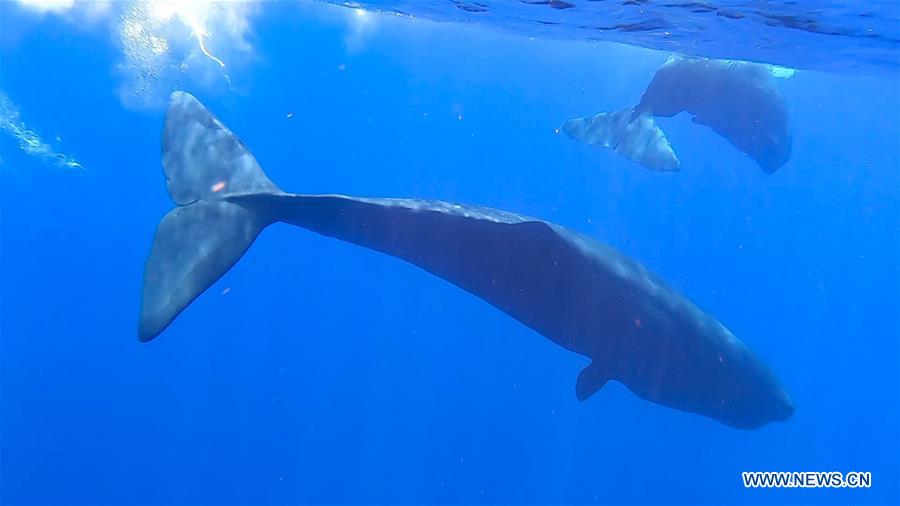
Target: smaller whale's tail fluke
x,y
206,233
631,136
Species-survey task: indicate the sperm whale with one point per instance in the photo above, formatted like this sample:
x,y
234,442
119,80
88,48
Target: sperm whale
x,y
737,100
581,294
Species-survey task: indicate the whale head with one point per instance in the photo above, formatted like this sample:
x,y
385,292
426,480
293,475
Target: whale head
x,y
742,391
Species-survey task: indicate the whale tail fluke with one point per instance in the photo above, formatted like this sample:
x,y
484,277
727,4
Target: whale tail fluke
x,y
197,242
635,137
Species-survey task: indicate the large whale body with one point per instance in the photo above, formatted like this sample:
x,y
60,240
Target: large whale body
x,y
738,100
581,294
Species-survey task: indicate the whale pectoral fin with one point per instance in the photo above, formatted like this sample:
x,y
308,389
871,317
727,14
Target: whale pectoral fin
x,y
590,380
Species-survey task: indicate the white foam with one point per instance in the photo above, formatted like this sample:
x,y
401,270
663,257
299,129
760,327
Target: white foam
x,y
30,141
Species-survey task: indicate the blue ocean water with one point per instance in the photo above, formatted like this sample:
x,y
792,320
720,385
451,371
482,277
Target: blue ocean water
x,y
316,371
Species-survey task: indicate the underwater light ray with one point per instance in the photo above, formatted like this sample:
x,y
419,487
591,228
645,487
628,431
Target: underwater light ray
x,y
172,43
194,15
